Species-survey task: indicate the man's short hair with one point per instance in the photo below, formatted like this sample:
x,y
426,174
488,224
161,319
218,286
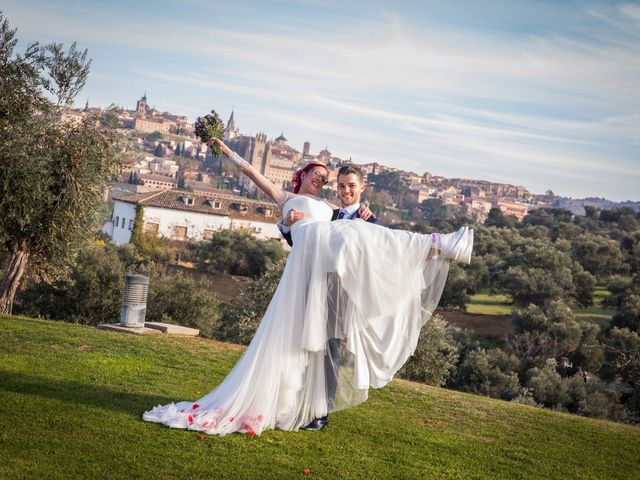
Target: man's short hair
x,y
349,169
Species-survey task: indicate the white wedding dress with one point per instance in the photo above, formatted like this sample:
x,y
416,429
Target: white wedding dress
x,y
351,302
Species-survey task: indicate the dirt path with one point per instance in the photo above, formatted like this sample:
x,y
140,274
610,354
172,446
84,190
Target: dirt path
x,y
493,326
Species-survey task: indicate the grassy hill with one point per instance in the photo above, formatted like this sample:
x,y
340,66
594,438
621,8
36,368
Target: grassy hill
x,y
71,398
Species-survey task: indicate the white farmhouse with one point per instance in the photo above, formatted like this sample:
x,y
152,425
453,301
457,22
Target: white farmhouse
x,y
181,215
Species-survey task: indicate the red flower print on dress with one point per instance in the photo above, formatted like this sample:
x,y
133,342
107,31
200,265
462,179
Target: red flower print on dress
x,y
260,418
195,405
190,419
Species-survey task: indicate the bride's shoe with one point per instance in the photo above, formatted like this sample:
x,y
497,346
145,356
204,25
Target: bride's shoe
x,y
456,246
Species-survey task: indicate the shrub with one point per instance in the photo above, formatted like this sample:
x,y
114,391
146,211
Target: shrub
x,y
489,372
434,361
237,252
238,324
455,288
547,385
90,293
179,298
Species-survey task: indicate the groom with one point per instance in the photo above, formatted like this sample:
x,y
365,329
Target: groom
x,y
350,187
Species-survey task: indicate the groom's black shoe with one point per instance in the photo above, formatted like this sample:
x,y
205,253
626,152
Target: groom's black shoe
x,y
317,423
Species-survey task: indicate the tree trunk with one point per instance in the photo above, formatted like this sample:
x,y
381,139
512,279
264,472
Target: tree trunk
x,y
12,276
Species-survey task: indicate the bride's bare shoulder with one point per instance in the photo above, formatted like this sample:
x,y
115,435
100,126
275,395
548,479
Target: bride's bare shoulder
x,y
286,197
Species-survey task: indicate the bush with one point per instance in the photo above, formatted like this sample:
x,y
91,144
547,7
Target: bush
x,y
597,401
434,361
489,372
589,354
179,298
547,385
622,354
591,398
455,288
238,324
90,293
237,252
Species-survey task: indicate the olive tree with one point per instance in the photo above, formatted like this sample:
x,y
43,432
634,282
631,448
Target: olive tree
x,y
51,170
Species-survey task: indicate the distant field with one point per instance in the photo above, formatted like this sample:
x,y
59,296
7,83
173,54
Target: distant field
x,y
596,313
486,304
71,398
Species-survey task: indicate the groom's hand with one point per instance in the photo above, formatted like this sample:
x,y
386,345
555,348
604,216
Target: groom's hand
x,y
365,212
292,217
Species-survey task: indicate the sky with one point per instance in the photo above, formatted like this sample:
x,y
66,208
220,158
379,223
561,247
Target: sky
x,y
544,94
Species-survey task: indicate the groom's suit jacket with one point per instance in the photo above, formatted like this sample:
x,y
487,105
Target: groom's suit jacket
x,y
336,212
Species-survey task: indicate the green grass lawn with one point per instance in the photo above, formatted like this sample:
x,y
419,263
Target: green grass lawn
x,y
486,304
71,398
500,304
596,313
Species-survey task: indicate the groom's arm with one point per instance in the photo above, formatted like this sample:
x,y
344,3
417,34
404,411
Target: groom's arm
x,y
284,225
285,231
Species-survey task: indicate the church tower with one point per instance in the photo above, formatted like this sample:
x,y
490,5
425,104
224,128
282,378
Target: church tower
x,y
261,154
230,131
141,106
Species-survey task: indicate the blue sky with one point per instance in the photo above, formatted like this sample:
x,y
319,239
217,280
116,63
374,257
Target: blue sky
x,y
540,94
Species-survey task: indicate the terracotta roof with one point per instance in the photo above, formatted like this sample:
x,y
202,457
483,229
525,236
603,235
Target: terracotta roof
x,y
158,178
173,200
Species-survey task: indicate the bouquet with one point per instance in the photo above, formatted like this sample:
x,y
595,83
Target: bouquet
x,y
208,127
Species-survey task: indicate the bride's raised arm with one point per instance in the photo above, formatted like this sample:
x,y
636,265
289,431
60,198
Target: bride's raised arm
x,y
262,182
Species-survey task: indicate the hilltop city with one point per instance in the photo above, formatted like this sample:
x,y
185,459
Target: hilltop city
x,y
172,171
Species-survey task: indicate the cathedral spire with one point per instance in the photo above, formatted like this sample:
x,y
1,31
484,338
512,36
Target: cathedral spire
x,y
230,130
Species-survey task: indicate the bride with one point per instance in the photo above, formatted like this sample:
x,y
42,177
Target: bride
x,y
351,301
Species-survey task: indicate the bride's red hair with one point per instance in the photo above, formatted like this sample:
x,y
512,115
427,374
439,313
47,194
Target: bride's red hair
x,y
297,177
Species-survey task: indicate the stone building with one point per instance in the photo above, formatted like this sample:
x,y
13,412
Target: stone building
x,y
147,119
274,159
517,209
